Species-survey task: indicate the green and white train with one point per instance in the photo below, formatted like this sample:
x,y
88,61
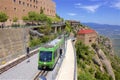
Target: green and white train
x,y
50,53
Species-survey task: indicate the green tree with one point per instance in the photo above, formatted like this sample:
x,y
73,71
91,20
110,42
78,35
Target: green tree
x,y
25,18
32,16
45,29
15,19
57,16
42,17
68,28
34,42
3,17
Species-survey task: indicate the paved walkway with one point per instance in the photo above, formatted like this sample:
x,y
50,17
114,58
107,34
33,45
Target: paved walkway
x,y
66,71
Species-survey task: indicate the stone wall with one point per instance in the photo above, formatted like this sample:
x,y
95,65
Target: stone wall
x,y
12,43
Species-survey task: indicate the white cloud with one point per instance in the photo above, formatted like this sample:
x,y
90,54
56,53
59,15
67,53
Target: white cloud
x,y
116,5
72,14
91,8
78,4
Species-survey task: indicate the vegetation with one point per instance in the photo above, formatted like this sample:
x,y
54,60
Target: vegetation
x,y
41,18
34,42
56,18
45,29
3,17
115,62
87,70
15,19
68,28
36,18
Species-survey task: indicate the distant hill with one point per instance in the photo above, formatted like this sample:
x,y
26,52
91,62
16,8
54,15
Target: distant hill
x,y
93,25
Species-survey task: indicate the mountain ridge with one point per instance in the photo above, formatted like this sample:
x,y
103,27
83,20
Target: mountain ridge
x,y
92,24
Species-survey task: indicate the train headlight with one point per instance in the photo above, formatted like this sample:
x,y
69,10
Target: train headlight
x,y
44,62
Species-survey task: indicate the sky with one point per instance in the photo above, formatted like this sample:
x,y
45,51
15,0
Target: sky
x,y
97,11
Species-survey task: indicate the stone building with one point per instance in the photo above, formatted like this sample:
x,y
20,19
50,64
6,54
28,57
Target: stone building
x,y
87,36
73,23
20,8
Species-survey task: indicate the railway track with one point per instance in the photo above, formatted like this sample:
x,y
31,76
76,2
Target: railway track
x,y
41,73
7,67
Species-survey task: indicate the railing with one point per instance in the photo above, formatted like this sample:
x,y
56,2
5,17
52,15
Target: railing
x,y
33,25
54,74
75,62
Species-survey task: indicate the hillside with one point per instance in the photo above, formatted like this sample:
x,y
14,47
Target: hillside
x,y
98,61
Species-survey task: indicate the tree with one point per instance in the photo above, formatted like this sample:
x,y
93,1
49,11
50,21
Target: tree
x,y
32,16
25,18
42,17
45,29
68,28
15,19
3,17
15,24
57,16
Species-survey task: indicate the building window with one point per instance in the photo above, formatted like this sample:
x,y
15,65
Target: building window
x,y
14,0
30,5
34,6
19,2
34,0
23,10
5,8
14,9
27,4
30,0
23,3
90,40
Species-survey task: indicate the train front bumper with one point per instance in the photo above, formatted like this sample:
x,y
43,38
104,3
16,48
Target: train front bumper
x,y
45,65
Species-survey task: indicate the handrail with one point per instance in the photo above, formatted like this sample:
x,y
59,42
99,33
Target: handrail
x,y
75,62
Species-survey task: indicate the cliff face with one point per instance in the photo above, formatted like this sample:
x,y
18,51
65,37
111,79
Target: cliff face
x,y
98,61
107,44
102,49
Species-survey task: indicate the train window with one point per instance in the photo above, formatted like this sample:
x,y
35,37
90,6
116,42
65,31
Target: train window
x,y
45,56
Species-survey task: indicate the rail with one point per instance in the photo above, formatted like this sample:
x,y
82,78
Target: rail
x,y
14,62
41,73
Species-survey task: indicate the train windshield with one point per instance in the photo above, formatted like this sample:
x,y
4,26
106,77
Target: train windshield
x,y
45,56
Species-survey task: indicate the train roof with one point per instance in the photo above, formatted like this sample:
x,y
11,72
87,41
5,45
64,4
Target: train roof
x,y
53,43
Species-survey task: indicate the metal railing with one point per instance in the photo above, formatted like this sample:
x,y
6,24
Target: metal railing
x,y
55,73
75,62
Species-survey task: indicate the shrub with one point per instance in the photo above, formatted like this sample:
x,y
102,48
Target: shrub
x,y
101,76
35,42
85,76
